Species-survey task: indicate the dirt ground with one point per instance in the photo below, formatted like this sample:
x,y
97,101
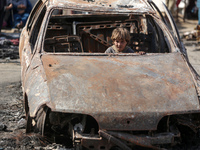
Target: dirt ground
x,y
12,116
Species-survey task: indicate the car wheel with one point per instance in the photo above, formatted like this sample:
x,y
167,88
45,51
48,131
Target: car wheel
x,y
41,120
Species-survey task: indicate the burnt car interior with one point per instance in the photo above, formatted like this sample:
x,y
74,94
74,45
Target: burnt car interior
x,y
84,32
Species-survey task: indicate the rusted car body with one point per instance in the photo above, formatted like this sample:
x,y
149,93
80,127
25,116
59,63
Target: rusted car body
x,y
93,100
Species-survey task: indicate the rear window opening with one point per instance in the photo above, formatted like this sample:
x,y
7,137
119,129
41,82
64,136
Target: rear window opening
x,y
72,31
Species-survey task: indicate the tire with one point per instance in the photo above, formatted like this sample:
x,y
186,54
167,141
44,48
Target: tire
x,y
41,120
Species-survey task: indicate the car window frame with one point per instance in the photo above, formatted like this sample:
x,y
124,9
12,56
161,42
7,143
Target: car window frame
x,y
33,15
167,36
32,31
170,24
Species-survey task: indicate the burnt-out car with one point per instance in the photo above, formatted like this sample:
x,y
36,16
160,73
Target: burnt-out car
x,y
76,94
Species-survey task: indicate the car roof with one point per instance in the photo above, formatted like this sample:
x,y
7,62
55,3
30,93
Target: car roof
x,y
133,6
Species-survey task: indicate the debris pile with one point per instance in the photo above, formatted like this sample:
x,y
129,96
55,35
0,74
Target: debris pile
x,y
13,123
190,35
9,46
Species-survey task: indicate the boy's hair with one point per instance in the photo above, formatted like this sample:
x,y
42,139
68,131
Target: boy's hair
x,y
121,33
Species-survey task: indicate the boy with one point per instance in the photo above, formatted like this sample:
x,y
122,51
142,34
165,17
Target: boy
x,y
120,37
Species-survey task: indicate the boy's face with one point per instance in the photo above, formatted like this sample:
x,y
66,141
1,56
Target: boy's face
x,y
120,44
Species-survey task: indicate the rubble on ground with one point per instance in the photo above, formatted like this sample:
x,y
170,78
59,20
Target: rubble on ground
x,y
13,123
190,35
9,46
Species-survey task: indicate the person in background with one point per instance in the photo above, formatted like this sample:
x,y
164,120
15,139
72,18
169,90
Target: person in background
x,y
171,6
2,10
21,11
8,12
198,6
178,2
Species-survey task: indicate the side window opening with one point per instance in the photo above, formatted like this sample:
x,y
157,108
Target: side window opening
x,y
167,18
33,15
158,43
36,28
77,32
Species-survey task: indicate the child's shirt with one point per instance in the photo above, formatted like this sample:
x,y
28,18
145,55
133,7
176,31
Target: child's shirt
x,y
112,49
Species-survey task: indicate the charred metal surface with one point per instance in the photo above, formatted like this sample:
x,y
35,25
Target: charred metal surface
x,y
103,6
84,85
114,140
97,144
106,101
72,43
146,141
93,141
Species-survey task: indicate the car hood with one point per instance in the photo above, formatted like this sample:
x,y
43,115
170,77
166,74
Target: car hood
x,y
118,89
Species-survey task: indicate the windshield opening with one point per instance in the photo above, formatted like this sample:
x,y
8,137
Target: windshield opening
x,y
71,31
